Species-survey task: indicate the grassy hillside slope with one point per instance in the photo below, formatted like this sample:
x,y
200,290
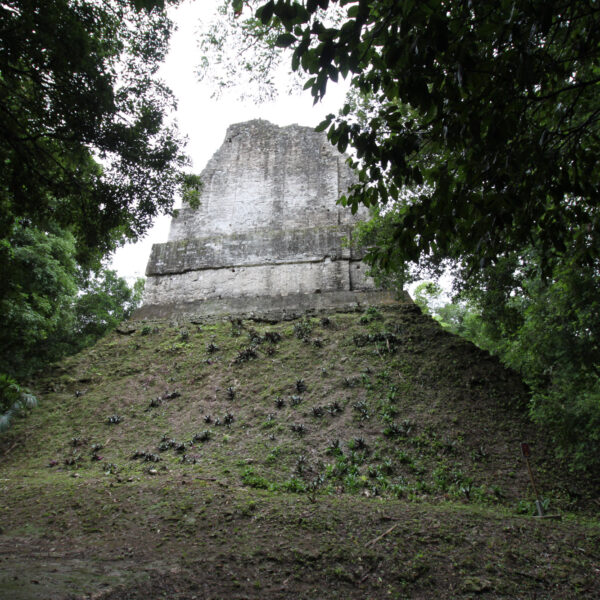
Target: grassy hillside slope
x,y
355,455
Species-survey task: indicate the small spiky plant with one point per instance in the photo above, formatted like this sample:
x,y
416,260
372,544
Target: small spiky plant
x,y
358,443
203,436
236,327
362,410
334,408
301,464
399,430
188,460
334,447
318,411
302,329
387,467
212,348
167,443
407,426
300,386
245,355
298,428
279,402
392,430
272,337
255,338
350,382
314,485
230,392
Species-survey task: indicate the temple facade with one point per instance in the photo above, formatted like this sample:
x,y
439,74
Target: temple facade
x,y
268,237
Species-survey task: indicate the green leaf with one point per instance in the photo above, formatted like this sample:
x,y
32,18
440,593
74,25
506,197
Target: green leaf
x,y
302,14
327,53
285,40
265,12
286,12
309,83
323,125
295,61
333,73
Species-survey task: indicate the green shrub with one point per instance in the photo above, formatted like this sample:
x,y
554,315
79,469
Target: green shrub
x,y
372,313
252,480
14,400
570,411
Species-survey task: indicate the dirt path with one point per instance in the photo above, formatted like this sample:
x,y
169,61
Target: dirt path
x,y
255,545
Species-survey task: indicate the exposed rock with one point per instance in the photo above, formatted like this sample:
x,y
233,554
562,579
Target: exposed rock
x,y
268,237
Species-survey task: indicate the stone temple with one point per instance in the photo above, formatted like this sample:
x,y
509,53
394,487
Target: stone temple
x,y
268,238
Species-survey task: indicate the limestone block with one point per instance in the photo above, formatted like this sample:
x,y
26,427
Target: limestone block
x,y
271,246
268,233
259,280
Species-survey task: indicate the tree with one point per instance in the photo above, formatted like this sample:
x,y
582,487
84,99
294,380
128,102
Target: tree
x,y
105,302
13,401
505,121
84,141
39,287
88,159
50,307
550,333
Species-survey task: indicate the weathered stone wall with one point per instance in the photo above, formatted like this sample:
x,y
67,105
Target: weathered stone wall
x,y
258,247
267,280
268,235
268,177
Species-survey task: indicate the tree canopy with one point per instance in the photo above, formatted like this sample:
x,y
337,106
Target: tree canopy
x,y
503,135
89,157
50,306
84,138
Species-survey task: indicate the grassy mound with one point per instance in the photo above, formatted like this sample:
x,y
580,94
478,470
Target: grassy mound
x,y
353,455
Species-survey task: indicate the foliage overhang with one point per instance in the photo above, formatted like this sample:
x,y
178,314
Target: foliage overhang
x,y
503,125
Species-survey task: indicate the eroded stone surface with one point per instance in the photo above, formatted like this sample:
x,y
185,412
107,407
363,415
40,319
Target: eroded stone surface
x,y
268,177
268,235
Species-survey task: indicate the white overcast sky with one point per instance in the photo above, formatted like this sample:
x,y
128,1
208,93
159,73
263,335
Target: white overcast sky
x,y
204,120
